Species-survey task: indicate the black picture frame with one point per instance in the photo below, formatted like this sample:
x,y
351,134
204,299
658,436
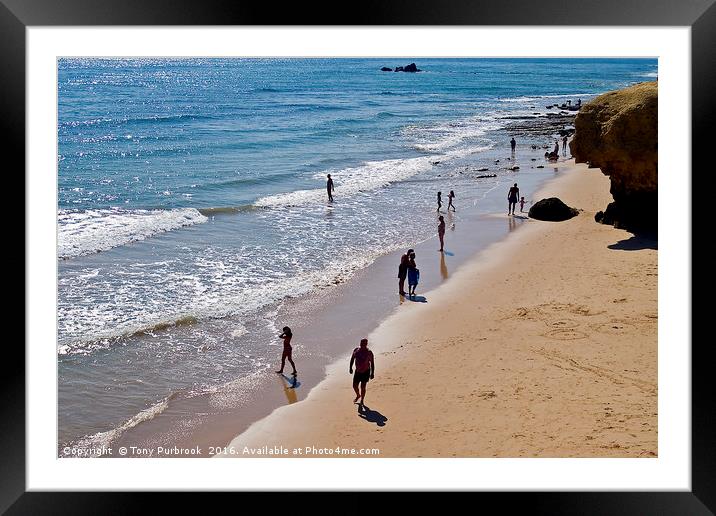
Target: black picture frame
x,y
700,15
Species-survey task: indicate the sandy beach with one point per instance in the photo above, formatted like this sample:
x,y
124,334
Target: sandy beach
x,y
544,345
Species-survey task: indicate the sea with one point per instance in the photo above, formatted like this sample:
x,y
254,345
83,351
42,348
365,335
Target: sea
x,y
192,203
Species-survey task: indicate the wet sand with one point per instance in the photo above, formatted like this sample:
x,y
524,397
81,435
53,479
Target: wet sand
x,y
543,345
328,323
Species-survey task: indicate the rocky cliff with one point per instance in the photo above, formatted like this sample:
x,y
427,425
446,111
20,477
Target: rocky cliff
x,y
617,132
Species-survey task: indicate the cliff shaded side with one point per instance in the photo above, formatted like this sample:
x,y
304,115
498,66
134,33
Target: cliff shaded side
x,y
617,132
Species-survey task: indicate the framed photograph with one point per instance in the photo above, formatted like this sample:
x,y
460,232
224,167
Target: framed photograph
x,y
216,203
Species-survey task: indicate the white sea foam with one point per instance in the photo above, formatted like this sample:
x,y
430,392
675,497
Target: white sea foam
x,y
448,135
92,231
538,97
350,181
103,440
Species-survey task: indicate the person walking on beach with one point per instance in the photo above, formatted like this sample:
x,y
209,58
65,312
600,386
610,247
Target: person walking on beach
x,y
513,144
365,369
522,204
441,233
287,349
512,197
403,272
413,275
330,188
451,196
440,200
556,147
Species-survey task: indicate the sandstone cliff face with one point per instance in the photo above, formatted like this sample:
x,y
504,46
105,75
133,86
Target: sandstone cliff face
x,y
617,132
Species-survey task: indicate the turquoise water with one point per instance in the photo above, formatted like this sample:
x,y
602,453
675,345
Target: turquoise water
x,y
192,198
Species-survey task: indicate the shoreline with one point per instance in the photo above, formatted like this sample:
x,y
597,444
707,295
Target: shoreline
x,y
596,394
322,322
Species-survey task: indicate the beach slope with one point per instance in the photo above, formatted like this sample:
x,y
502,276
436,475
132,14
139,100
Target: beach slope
x,y
544,345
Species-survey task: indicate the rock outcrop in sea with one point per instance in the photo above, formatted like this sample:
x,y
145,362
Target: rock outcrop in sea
x,y
409,68
617,132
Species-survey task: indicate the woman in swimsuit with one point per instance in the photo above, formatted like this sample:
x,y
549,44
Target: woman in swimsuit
x,y
287,349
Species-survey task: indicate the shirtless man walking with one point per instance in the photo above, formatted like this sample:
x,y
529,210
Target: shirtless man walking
x,y
365,369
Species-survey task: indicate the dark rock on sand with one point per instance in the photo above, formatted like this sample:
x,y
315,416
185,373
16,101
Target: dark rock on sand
x,y
552,209
486,175
609,216
617,132
386,69
483,169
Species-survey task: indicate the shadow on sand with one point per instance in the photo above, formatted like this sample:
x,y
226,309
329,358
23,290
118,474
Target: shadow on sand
x,y
289,385
416,299
637,242
372,416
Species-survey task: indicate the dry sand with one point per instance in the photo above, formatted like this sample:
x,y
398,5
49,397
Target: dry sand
x,y
545,345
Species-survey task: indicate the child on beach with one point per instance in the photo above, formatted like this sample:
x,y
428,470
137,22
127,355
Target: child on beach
x,y
522,204
413,275
287,349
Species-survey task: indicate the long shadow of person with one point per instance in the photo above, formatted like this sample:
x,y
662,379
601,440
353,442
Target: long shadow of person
x,y
372,416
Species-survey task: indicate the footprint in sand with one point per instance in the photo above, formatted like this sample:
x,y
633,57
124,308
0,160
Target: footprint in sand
x,y
562,323
615,327
565,334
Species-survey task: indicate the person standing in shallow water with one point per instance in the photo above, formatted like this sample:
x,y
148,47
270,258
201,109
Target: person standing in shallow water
x,y
513,144
330,188
451,196
365,369
564,145
403,272
287,349
441,232
512,197
413,275
440,200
